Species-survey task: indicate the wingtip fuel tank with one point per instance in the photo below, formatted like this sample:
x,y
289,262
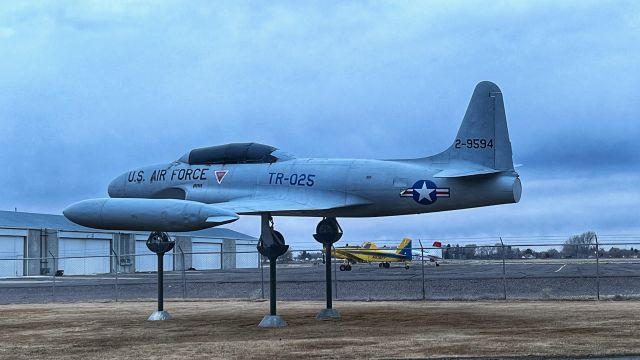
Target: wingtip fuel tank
x,y
147,214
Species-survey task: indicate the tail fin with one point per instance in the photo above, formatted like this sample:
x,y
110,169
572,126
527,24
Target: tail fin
x,y
483,138
405,248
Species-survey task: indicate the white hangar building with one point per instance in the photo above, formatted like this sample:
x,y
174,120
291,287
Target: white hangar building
x,y
41,244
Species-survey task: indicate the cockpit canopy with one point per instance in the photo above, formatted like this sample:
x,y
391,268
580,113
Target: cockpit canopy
x,y
237,153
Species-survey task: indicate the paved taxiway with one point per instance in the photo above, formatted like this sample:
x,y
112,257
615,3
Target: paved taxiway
x,y
461,280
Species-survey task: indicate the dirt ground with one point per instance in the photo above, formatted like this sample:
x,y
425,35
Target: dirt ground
x,y
228,329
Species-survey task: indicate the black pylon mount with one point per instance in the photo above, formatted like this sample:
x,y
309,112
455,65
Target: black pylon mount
x,y
327,233
160,243
271,245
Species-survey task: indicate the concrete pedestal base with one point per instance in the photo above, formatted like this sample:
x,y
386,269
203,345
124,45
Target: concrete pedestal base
x,y
159,315
272,321
325,314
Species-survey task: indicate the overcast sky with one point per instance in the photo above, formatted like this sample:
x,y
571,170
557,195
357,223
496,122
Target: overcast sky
x,y
89,90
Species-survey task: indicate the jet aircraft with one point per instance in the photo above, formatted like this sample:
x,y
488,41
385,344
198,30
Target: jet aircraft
x,y
214,185
369,252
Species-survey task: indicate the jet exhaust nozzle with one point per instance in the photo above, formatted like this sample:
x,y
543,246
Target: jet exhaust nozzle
x,y
505,189
168,215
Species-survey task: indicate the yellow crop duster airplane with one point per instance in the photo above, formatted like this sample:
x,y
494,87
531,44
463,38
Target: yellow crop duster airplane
x,y
369,253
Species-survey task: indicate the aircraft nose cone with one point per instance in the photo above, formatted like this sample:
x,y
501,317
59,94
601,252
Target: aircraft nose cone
x,y
116,187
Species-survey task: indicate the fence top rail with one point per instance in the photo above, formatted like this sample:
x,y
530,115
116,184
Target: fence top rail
x,y
391,245
114,254
602,245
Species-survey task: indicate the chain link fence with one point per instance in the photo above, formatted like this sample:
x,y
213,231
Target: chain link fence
x,y
583,268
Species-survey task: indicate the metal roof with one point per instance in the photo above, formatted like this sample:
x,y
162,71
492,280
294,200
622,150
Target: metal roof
x,y
24,220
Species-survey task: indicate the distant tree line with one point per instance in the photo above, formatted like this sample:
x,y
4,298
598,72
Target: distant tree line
x,y
577,246
581,246
297,256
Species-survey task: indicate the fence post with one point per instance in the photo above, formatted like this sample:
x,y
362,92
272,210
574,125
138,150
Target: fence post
x,y
504,272
261,275
597,267
335,276
117,264
53,272
184,275
424,291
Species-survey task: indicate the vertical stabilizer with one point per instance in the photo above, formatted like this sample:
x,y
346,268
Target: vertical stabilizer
x,y
483,138
405,248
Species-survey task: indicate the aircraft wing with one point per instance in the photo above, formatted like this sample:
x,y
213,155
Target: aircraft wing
x,y
283,202
349,256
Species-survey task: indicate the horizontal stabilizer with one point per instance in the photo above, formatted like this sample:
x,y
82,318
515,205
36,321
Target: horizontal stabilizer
x,y
453,173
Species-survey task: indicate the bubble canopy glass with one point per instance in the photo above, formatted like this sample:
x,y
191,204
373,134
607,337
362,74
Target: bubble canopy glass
x,y
236,153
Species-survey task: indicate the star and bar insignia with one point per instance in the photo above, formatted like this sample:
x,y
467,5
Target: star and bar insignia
x,y
425,192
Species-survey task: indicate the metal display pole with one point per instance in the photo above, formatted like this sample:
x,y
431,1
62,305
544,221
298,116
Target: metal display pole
x,y
272,287
160,282
327,272
273,320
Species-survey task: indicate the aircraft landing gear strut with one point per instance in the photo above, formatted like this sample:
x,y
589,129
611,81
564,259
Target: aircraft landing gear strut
x,y
271,245
327,233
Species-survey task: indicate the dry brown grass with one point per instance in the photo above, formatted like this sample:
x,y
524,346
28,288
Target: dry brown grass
x,y
228,329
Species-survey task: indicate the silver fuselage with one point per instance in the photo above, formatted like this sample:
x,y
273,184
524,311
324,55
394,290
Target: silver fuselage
x,y
378,182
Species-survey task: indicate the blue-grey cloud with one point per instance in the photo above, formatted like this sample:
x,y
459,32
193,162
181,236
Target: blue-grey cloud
x,y
91,89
